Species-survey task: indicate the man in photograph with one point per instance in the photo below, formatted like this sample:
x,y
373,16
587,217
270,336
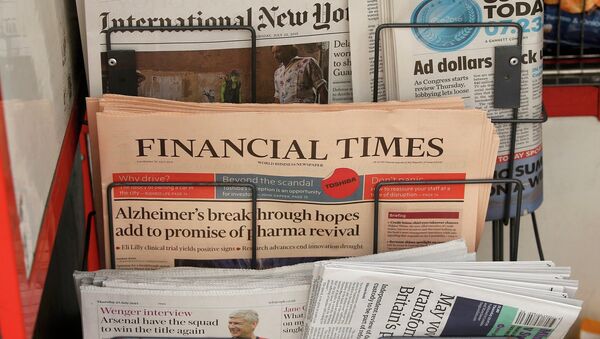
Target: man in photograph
x,y
242,324
298,79
231,87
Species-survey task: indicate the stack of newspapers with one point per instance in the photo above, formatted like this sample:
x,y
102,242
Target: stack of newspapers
x,y
401,293
313,171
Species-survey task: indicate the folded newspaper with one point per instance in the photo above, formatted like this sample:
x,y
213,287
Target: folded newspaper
x,y
314,169
391,299
205,302
438,62
377,295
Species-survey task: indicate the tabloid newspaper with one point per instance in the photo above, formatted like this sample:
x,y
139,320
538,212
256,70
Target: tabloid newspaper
x,y
215,66
425,63
315,176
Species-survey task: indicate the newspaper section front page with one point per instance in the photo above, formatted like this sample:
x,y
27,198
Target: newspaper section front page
x,y
215,66
315,184
437,62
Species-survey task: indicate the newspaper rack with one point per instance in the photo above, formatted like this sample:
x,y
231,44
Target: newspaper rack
x,y
508,64
514,230
250,186
514,227
122,78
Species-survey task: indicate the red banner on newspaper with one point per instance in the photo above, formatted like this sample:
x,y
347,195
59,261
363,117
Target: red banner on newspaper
x,y
520,155
167,192
411,192
423,215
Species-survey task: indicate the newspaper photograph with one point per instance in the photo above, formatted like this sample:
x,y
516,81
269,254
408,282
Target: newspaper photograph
x,y
437,62
303,49
315,184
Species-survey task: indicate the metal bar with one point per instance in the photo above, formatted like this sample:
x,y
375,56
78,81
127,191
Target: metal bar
x,y
582,35
250,29
251,186
495,237
570,56
376,199
571,85
542,119
511,165
86,244
500,241
514,239
538,241
558,35
582,71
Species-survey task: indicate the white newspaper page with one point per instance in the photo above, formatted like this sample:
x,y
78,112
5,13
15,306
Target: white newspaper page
x,y
359,305
215,66
438,62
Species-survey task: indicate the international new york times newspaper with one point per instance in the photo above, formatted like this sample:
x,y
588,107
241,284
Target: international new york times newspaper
x,y
449,61
315,176
215,66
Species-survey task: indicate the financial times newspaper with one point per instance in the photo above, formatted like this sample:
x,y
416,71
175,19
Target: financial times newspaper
x,y
426,63
215,66
348,302
315,182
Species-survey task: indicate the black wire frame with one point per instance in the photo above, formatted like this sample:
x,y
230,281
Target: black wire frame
x,y
250,186
579,58
248,28
514,229
515,118
86,245
497,234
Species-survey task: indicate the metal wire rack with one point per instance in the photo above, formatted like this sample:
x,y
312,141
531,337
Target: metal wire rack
x,y
571,43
